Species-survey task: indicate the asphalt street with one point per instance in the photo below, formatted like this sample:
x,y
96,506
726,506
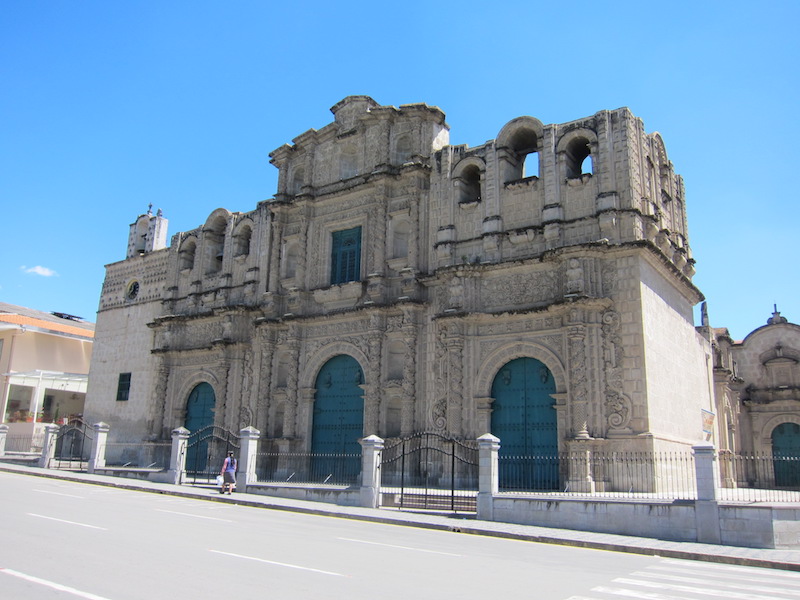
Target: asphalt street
x,y
63,539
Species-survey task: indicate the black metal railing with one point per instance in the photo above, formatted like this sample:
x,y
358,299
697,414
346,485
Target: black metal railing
x,y
308,468
430,471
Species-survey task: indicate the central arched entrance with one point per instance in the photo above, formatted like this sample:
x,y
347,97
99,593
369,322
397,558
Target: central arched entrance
x,y
524,418
199,417
338,421
786,454
200,407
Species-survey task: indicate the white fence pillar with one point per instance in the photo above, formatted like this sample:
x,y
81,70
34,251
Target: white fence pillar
x,y
97,459
371,448
49,445
706,509
246,473
3,435
177,458
488,475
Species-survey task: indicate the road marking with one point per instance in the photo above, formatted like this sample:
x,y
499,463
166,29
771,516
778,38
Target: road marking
x,y
694,590
65,521
175,512
280,564
53,585
400,547
58,494
722,584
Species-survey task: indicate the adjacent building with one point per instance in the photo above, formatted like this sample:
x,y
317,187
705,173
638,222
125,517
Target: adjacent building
x,y
44,362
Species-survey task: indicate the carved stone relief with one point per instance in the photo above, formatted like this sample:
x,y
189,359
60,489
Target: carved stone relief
x,y
618,407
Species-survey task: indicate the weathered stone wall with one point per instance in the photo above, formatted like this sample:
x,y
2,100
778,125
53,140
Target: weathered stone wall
x,y
564,242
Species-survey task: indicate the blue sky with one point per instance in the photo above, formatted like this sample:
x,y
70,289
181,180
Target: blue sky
x,y
110,106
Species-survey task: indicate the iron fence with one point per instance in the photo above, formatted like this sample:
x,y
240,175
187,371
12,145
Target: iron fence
x,y
430,471
758,478
142,455
308,468
25,443
662,475
206,450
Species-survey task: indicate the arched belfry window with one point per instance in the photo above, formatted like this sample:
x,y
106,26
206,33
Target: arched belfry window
x,y
187,254
215,244
525,147
578,156
470,185
243,238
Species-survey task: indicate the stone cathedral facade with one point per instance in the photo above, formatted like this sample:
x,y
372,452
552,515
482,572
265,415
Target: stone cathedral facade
x,y
538,287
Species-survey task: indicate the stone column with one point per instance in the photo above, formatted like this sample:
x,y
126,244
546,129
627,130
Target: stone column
x,y
49,445
3,434
246,473
177,458
371,448
488,475
578,383
706,509
373,390
580,475
97,459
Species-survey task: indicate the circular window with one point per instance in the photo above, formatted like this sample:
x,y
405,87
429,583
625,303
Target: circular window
x,y
133,290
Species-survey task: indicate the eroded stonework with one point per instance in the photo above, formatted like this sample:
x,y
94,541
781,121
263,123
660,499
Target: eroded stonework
x,y
561,243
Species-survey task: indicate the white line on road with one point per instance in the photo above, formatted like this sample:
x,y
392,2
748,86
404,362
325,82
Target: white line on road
x,y
65,521
280,564
400,547
175,512
58,494
52,584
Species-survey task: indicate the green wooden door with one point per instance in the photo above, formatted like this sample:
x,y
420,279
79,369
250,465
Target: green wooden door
x,y
786,454
524,418
199,415
338,421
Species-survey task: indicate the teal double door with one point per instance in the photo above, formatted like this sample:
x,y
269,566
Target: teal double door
x,y
338,420
786,454
524,418
199,416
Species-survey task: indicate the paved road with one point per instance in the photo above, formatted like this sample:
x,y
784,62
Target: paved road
x,y
62,539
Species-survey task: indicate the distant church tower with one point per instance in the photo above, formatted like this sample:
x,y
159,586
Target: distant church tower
x,y
147,233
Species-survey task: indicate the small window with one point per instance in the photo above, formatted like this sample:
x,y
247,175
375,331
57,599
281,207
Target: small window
x,y
346,256
123,387
470,185
579,158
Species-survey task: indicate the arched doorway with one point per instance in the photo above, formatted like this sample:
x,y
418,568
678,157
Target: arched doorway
x,y
200,407
786,454
199,416
524,418
338,420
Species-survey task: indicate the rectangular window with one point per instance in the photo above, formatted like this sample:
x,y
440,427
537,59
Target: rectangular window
x,y
123,387
346,256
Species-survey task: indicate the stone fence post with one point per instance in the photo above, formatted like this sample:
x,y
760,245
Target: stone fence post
x,y
177,458
49,445
3,434
97,459
488,475
246,473
706,509
371,448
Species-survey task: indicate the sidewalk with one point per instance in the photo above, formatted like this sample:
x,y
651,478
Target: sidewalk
x,y
754,557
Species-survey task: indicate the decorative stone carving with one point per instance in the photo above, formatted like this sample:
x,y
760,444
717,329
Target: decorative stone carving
x,y
617,405
578,381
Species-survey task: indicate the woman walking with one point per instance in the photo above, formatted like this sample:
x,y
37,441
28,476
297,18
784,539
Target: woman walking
x,y
228,473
